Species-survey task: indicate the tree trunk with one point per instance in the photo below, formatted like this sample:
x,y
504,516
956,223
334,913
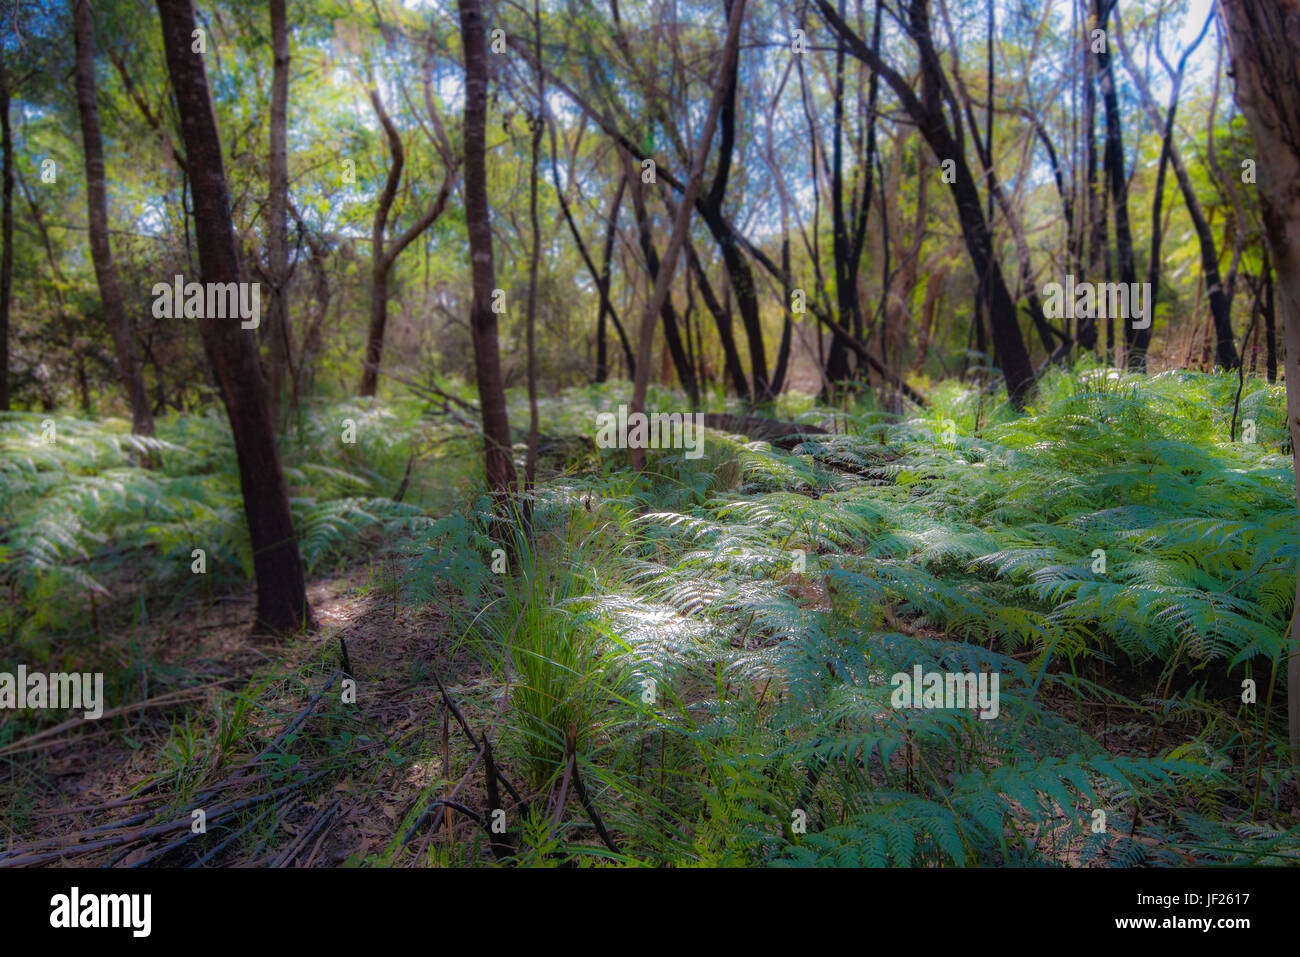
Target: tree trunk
x,y
232,350
1115,161
278,349
1264,37
498,461
530,463
110,293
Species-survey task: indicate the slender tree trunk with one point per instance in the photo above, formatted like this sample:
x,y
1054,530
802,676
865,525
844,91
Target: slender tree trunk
x,y
1095,205
530,463
278,350
498,460
1115,162
110,293
1270,322
232,350
722,319
1264,37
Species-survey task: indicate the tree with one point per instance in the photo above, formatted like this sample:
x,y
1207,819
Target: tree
x,y
110,292
927,111
383,255
724,88
231,350
277,332
1264,39
498,462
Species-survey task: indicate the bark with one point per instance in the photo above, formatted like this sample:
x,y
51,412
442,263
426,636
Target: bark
x,y
498,462
1114,165
110,292
722,319
232,350
1264,38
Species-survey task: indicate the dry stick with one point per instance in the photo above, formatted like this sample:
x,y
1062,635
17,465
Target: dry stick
x,y
171,697
155,831
220,813
479,746
320,819
442,803
234,776
591,808
564,791
668,265
223,845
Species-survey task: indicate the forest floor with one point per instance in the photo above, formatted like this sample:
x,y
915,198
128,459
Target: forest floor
x,y
690,668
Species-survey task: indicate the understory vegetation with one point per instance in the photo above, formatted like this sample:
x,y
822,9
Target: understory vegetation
x,y
699,655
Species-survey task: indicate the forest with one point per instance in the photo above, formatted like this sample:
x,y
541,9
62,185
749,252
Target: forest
x,y
686,433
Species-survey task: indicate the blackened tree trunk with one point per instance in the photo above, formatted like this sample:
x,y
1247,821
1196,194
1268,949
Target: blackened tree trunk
x,y
232,350
499,464
738,270
1115,162
1264,37
278,350
110,293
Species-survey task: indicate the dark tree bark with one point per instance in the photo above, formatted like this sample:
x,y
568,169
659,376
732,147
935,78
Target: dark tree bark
x,y
232,350
498,462
279,351
1094,199
738,271
110,293
722,319
1114,164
